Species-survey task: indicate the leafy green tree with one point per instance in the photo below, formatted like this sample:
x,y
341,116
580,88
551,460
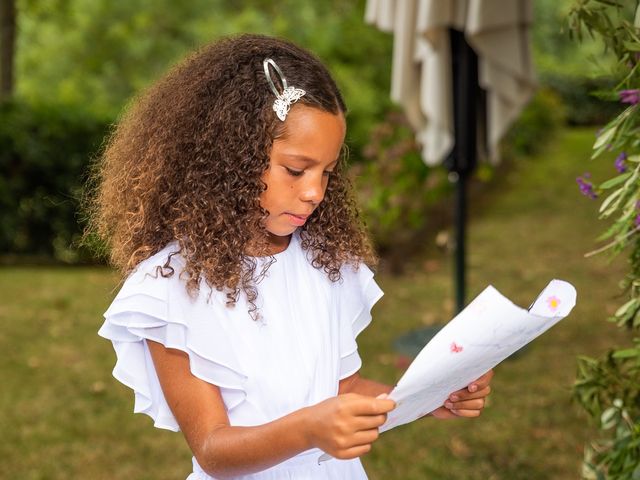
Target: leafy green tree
x,y
98,53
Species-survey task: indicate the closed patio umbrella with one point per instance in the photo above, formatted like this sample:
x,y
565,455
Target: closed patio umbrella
x,y
448,54
421,70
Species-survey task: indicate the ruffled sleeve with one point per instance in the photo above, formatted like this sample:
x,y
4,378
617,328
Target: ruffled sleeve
x,y
152,307
358,294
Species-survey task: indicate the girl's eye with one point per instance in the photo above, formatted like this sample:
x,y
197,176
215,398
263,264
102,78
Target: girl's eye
x,y
294,173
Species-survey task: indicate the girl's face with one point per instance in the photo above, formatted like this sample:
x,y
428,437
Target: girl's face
x,y
301,163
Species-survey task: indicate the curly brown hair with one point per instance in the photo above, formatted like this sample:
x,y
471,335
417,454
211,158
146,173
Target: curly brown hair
x,y
185,164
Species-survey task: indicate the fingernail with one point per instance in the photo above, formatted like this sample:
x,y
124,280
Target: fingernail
x,y
473,388
449,405
382,396
454,398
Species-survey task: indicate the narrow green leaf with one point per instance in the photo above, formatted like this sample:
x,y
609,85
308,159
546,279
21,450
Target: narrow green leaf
x,y
610,232
626,353
633,47
604,138
612,182
607,201
623,309
608,418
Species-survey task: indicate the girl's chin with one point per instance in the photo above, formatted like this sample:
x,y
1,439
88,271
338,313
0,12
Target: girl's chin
x,y
281,230
280,236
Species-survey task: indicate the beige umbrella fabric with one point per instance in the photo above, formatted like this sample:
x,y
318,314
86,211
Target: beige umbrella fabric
x,y
421,73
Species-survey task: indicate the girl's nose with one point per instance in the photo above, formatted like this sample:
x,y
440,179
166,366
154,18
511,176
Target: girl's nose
x,y
313,191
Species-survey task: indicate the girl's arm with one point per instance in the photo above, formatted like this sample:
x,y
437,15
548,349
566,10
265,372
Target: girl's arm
x,y
467,402
343,426
357,384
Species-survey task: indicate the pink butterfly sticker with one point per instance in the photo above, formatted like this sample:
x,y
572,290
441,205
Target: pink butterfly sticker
x,y
455,348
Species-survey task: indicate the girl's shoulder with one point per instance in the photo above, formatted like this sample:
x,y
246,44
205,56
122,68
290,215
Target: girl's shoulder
x,y
356,273
156,280
165,261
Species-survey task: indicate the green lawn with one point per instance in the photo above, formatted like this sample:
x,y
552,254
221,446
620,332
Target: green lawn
x,y
63,416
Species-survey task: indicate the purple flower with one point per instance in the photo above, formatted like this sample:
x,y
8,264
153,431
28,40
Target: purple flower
x,y
631,96
637,222
619,163
586,187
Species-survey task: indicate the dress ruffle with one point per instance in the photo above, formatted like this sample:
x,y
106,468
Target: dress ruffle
x,y
359,292
151,307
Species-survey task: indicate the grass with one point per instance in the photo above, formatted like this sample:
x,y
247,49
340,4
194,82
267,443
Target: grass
x,y
63,416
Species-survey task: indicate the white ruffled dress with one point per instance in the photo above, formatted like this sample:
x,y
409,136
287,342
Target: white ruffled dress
x,y
292,358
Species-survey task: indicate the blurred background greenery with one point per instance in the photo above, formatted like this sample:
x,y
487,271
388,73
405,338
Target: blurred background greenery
x,y
77,64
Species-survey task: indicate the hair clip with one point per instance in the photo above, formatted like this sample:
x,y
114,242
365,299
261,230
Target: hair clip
x,y
289,95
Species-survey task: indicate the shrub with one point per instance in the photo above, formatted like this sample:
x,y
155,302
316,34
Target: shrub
x,y
608,387
537,123
45,152
579,94
395,188
402,198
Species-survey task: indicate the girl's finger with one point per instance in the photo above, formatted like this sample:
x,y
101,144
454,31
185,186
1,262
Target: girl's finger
x,y
354,452
365,436
367,422
375,406
467,413
481,382
476,404
466,395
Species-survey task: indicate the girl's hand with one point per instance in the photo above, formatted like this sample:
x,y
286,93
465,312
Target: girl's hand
x,y
345,426
467,402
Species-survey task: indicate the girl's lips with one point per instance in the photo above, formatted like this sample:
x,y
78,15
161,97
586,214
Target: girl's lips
x,y
297,220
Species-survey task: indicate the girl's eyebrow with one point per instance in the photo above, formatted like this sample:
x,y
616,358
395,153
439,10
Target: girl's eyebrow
x,y
309,160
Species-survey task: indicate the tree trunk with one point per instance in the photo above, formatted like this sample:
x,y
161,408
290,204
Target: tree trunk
x,y
7,46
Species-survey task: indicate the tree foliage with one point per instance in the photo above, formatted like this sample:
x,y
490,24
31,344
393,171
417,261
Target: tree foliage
x,y
99,53
95,55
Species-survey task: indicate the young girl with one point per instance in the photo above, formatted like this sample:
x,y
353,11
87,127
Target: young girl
x,y
223,199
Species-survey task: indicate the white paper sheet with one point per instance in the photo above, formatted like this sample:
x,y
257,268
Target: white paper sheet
x,y
486,332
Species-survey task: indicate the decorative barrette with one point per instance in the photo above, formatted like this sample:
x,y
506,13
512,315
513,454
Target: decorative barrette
x,y
289,95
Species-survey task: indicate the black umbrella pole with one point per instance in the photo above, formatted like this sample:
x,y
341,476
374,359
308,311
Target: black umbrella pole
x,y
462,160
460,245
